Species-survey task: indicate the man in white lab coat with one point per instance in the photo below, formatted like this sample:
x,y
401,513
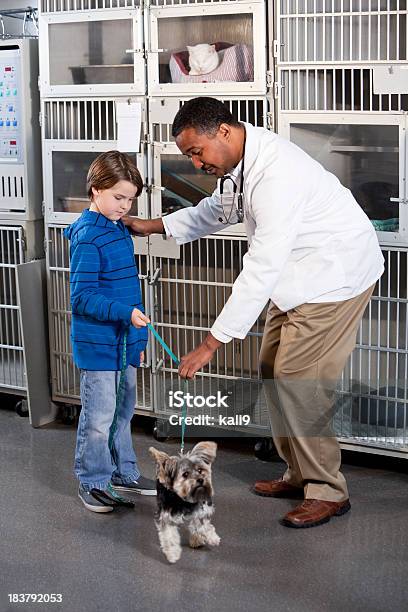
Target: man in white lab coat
x,y
314,255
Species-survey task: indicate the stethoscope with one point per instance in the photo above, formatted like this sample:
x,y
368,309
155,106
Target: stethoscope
x,y
227,220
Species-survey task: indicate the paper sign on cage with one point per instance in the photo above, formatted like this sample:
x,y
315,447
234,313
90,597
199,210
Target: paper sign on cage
x,y
129,120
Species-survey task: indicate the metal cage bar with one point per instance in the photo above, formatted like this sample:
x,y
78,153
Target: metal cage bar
x,y
66,6
188,296
252,110
337,89
373,400
322,31
12,367
80,119
164,3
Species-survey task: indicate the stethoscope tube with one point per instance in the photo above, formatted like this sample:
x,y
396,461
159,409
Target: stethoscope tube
x,y
240,200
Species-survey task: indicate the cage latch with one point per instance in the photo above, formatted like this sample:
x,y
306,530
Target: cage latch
x,y
399,200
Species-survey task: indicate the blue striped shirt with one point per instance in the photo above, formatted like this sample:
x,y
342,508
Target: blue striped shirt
x,y
105,288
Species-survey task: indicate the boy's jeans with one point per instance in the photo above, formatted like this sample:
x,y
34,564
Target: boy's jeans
x,y
93,462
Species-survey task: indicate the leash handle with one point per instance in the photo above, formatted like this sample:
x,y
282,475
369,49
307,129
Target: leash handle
x,y
177,362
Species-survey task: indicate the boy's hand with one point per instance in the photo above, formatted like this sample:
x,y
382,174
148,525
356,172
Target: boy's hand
x,y
143,227
139,319
142,357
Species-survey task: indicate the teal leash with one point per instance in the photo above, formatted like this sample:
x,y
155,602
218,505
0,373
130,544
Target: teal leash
x,y
121,388
177,362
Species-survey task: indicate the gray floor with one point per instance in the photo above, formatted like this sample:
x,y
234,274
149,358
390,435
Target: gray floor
x,y
51,544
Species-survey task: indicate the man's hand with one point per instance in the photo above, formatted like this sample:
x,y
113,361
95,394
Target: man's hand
x,y
143,227
142,357
199,357
139,319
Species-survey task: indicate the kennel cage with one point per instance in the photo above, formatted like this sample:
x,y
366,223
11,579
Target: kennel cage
x,y
341,93
180,280
106,59
236,30
75,132
23,336
372,403
339,32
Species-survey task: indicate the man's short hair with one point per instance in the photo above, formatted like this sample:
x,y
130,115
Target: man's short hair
x,y
204,114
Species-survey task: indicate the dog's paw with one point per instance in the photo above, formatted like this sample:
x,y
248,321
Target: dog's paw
x,y
213,539
173,554
173,558
196,541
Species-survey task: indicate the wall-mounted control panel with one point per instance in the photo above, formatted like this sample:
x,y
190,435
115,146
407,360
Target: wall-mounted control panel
x,y
11,145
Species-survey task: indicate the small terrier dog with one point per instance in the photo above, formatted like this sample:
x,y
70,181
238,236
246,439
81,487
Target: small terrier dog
x,y
184,497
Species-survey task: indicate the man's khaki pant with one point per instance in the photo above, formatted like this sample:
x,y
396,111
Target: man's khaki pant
x,y
303,354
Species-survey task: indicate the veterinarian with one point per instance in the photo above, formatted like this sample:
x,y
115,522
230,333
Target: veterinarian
x,y
313,253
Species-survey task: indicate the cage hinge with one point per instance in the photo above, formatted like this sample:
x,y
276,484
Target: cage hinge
x,y
276,90
276,48
155,277
40,119
150,188
269,120
159,365
22,240
269,78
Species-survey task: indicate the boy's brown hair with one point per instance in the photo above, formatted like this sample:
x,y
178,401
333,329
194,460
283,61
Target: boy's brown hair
x,y
111,167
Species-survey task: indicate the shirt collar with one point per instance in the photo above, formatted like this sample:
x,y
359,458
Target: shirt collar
x,y
250,150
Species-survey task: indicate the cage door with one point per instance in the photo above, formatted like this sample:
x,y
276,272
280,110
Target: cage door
x,y
367,154
230,58
92,54
65,169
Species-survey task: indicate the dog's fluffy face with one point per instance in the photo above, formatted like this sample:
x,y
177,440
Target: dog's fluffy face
x,y
189,475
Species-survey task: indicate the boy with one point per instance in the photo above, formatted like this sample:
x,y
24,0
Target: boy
x,y
108,334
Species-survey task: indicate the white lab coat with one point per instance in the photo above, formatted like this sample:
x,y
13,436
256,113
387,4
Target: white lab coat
x,y
309,241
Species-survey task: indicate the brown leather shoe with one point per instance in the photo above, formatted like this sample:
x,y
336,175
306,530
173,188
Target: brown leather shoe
x,y
313,512
276,488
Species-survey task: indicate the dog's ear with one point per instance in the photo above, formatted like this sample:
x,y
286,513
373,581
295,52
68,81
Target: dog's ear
x,y
166,466
205,450
158,456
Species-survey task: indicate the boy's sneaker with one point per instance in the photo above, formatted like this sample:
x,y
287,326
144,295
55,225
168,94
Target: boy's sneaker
x,y
143,486
119,499
93,504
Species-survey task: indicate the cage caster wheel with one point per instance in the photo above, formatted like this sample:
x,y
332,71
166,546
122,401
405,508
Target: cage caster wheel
x,y
265,450
22,408
68,415
158,432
